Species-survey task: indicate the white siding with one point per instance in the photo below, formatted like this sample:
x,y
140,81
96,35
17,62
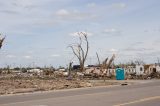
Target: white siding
x,y
139,69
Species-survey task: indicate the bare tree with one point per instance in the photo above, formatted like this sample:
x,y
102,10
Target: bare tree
x,y
98,59
80,50
1,41
110,61
104,64
139,62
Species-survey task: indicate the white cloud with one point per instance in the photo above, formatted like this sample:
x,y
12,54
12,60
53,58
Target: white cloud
x,y
91,4
77,33
10,56
62,12
27,57
72,15
16,6
55,55
30,52
118,5
138,49
22,3
113,50
111,30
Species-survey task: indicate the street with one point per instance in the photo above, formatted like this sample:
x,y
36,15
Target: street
x,y
141,94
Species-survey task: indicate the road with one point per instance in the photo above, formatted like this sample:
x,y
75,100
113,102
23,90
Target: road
x,y
142,94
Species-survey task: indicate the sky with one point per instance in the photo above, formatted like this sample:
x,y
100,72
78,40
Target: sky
x,y
38,32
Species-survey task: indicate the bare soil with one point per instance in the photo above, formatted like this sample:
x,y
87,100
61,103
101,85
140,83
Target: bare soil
x,y
12,84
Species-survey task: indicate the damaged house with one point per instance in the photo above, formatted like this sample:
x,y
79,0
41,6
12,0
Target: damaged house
x,y
152,68
135,69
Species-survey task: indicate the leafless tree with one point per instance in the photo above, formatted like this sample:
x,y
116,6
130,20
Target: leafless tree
x,y
1,41
104,64
139,62
98,59
110,61
80,50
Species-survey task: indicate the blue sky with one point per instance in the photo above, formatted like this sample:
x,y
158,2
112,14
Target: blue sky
x,y
39,31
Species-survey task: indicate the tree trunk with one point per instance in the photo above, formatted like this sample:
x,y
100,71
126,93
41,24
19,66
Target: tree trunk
x,y
81,67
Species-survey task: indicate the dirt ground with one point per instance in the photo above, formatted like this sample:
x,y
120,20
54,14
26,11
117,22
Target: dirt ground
x,y
16,84
10,86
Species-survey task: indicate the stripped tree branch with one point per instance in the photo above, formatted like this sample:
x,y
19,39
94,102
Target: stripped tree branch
x,y
1,41
81,49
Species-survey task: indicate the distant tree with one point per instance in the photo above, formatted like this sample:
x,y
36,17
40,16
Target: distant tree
x,y
16,68
80,50
24,70
52,68
28,68
61,67
132,63
8,69
139,62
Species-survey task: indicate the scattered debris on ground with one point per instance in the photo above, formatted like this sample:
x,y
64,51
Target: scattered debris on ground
x,y
23,83
12,84
124,84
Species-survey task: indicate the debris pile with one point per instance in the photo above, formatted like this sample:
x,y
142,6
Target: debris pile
x,y
11,86
23,83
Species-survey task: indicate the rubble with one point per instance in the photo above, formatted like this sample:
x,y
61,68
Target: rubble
x,y
11,84
30,82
